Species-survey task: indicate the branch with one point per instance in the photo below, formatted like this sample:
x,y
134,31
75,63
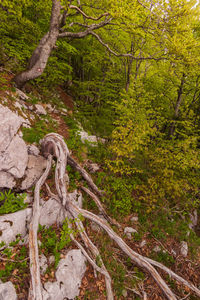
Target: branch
x,y
86,16
125,54
86,32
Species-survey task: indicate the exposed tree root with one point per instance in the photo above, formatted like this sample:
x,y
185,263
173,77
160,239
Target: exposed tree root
x,y
60,151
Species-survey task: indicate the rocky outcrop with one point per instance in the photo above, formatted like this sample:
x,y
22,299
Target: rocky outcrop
x,y
69,275
7,291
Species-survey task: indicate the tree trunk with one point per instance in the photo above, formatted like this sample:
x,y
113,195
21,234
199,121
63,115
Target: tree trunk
x,y
177,107
39,58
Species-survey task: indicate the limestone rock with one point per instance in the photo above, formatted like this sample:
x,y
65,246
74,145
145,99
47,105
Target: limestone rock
x,y
35,168
52,291
51,213
77,198
157,249
43,264
49,107
70,272
7,291
184,248
89,138
21,95
134,219
9,125
129,231
6,180
33,150
13,224
14,158
40,109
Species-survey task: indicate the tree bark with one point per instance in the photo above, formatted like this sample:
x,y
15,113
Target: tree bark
x,y
39,58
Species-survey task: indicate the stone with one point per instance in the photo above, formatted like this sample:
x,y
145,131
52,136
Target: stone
x,y
32,149
89,138
70,272
93,168
194,219
7,291
43,264
21,95
51,213
52,291
77,198
49,107
129,231
40,109
13,224
124,293
184,248
35,167
51,259
9,125
6,180
143,243
157,249
14,159
134,219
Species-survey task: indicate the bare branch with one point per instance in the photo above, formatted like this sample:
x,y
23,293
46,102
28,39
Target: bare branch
x,y
86,16
86,32
125,54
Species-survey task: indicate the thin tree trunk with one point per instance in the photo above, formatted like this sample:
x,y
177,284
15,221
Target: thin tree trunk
x,y
177,107
40,56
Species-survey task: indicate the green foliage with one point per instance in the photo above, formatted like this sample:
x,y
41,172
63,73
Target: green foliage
x,y
11,202
39,130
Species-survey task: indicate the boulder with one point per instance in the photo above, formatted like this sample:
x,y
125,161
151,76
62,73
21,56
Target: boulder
x,y
21,95
51,213
35,167
7,291
13,224
6,180
70,272
14,158
9,125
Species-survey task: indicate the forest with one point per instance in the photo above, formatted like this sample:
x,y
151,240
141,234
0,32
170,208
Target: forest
x,y
128,72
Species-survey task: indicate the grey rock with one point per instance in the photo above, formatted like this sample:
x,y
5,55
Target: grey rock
x,y
157,249
40,109
49,107
21,95
184,248
35,168
32,149
18,105
52,259
193,219
124,293
9,125
43,264
52,291
14,159
77,198
13,224
89,138
134,219
143,243
129,231
6,180
51,213
7,291
70,272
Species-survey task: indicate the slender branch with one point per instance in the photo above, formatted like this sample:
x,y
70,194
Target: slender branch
x,y
86,16
86,32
